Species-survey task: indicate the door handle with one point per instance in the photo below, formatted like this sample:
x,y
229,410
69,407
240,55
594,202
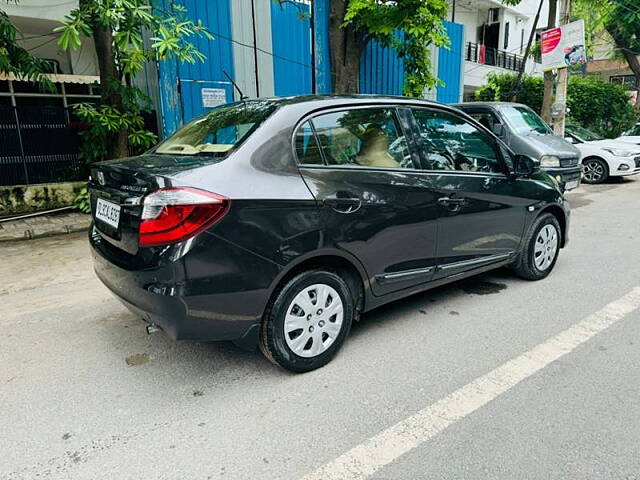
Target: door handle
x,y
344,203
448,201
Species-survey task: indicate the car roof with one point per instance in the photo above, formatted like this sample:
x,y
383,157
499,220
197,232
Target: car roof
x,y
486,104
319,101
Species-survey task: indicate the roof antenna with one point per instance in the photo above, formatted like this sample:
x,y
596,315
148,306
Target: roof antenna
x,y
243,97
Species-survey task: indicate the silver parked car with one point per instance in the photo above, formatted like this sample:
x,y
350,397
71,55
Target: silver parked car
x,y
527,134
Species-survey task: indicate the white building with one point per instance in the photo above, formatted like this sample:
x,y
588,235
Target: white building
x,y
36,19
496,37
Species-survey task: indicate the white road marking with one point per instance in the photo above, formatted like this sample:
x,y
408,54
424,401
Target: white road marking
x,y
370,456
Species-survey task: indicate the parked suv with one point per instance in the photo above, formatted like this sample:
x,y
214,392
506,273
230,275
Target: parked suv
x,y
278,222
526,133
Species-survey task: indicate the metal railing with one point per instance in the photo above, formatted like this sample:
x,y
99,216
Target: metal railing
x,y
39,144
477,53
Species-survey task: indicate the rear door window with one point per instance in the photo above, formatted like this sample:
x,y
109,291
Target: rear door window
x,y
363,137
307,147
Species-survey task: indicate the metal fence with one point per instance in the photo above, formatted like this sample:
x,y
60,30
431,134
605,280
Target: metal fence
x,y
39,144
475,52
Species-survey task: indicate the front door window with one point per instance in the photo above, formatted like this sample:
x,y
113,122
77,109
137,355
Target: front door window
x,y
452,143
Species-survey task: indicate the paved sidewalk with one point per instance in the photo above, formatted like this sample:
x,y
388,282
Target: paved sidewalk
x,y
44,226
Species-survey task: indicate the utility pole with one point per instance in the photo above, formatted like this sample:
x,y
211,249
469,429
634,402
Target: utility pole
x,y
563,77
548,75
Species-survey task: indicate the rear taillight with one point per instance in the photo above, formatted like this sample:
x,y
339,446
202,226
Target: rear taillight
x,y
172,215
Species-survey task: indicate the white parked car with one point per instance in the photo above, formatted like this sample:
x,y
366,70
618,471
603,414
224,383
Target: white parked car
x,y
602,158
632,135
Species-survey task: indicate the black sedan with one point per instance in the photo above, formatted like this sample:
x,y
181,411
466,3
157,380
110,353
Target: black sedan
x,y
278,222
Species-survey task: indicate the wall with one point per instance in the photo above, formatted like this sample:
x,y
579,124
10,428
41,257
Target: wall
x,y
473,14
243,53
450,63
33,198
40,40
43,9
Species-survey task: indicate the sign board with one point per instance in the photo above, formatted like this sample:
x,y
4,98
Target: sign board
x,y
212,97
563,46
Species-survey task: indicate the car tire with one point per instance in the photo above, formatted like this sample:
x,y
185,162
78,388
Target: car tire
x,y
595,170
294,335
540,250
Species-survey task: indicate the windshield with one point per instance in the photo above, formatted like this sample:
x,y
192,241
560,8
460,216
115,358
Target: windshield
x,y
634,131
582,133
219,131
524,120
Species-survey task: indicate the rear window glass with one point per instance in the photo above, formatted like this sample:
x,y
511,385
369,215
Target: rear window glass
x,y
219,131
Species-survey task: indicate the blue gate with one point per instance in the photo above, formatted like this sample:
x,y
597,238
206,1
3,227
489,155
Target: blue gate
x,y
450,63
182,85
291,38
381,70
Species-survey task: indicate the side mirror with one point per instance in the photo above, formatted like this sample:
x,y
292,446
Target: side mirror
x,y
498,129
526,166
570,139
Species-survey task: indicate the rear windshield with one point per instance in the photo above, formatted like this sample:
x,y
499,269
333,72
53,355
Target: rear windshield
x,y
524,121
219,131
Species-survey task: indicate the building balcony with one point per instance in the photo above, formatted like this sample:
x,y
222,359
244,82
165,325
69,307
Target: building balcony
x,y
477,53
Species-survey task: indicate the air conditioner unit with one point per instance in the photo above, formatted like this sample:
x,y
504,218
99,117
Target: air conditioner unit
x,y
494,15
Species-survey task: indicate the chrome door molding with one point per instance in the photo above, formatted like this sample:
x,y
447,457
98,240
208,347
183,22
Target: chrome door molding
x,y
476,261
403,275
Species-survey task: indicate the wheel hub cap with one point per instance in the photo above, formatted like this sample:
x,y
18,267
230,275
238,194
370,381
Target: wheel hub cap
x,y
546,247
313,320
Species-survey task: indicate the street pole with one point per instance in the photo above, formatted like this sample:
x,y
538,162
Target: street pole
x,y
563,77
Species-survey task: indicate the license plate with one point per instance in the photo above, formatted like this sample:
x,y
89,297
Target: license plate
x,y
108,212
570,185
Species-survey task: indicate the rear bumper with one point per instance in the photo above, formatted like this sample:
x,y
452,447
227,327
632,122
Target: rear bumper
x,y
185,306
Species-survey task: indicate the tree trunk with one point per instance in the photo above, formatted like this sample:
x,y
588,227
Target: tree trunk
x,y
634,64
630,57
346,46
117,143
547,100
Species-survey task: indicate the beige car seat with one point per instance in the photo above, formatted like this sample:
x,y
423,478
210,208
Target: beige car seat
x,y
374,151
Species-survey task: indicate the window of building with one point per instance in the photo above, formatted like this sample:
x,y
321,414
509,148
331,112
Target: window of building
x,y
625,81
506,36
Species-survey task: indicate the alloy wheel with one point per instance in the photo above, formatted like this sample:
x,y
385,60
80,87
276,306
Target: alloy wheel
x,y
546,247
593,171
313,320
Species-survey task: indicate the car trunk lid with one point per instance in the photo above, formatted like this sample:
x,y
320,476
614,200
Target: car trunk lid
x,y
117,188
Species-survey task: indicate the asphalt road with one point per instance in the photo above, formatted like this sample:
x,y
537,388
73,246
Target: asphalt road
x,y
493,377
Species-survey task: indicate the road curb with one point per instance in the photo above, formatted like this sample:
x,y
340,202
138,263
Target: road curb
x,y
45,226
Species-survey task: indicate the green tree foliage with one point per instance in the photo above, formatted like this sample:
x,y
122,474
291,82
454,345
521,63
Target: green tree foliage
x,y
500,88
117,29
620,19
420,22
16,60
600,106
